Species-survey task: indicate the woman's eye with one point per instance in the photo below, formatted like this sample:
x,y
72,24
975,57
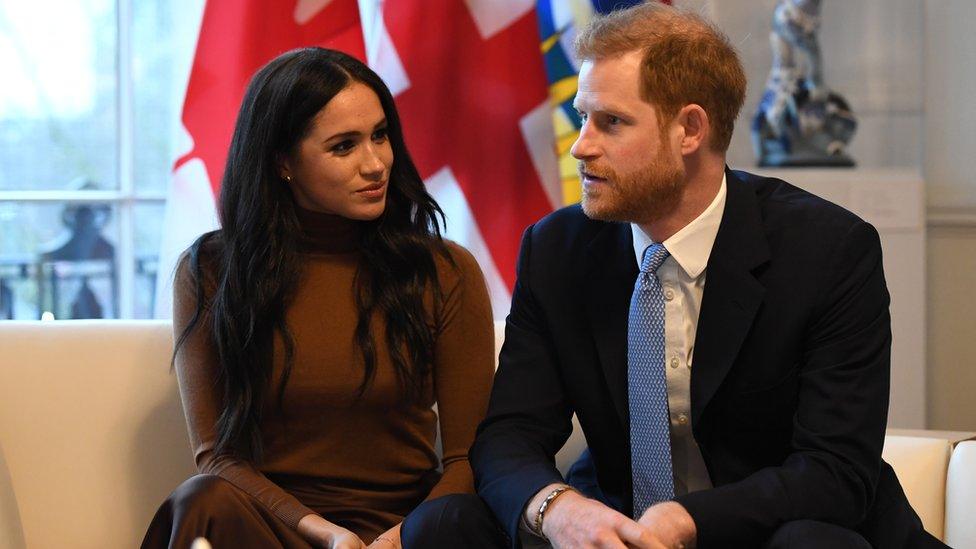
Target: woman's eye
x,y
342,146
380,135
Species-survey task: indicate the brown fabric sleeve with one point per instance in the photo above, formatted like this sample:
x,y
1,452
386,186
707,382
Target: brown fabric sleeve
x,y
464,366
196,373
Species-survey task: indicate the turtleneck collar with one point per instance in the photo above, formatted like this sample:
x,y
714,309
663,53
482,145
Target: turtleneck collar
x,y
328,233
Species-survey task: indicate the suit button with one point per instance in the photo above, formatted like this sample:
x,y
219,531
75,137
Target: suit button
x,y
682,419
674,362
669,294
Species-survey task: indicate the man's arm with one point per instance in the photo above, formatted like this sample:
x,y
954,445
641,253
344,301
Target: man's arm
x,y
842,403
529,418
573,520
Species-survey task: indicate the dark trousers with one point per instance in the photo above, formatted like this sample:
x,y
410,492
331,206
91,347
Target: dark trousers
x,y
465,521
458,520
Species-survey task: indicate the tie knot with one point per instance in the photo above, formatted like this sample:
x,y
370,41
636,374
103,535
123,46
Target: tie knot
x,y
654,255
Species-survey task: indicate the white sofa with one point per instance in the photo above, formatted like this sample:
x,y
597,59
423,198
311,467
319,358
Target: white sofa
x,y
92,439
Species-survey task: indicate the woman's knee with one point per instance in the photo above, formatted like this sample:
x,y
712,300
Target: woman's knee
x,y
202,492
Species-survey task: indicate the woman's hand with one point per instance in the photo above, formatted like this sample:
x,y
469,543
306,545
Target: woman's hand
x,y
387,540
322,533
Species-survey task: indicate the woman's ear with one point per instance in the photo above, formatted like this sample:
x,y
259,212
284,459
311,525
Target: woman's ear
x,y
284,167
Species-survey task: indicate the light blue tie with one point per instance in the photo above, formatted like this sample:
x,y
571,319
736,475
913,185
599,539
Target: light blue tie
x,y
650,435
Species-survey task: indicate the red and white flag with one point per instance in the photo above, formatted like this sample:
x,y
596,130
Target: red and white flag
x,y
236,38
471,89
470,86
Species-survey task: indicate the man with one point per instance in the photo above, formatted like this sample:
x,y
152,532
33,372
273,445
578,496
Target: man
x,y
723,338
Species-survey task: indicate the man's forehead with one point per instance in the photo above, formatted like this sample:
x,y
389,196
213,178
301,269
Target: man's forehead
x,y
613,80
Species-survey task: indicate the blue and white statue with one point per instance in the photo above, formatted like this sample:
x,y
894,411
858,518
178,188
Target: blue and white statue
x,y
800,121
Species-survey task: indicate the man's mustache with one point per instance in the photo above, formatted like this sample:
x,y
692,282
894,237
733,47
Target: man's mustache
x,y
601,172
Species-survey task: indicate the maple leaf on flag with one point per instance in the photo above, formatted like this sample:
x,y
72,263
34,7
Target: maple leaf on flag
x,y
236,39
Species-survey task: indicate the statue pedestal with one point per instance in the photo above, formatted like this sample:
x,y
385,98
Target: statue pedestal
x,y
893,200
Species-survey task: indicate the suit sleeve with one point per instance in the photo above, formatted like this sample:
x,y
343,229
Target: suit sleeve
x,y
832,470
529,418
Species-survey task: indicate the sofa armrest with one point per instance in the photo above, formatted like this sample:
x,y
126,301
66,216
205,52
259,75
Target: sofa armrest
x,y
920,464
960,526
11,530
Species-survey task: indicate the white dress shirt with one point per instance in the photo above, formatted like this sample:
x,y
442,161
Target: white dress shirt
x,y
682,277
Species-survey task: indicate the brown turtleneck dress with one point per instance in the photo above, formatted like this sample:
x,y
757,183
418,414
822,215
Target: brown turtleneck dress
x,y
361,463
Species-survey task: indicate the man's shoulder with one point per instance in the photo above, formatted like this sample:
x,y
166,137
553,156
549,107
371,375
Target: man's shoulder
x,y
786,207
567,226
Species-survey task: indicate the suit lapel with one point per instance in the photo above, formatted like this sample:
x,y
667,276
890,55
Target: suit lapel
x,y
732,295
608,284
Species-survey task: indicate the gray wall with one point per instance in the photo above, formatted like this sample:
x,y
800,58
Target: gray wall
x,y
949,149
908,68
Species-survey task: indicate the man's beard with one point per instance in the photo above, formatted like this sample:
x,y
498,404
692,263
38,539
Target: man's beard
x,y
644,196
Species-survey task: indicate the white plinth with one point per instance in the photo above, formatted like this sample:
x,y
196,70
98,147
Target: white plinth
x,y
894,202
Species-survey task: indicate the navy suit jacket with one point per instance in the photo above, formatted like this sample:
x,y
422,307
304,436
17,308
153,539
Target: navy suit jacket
x,y
789,384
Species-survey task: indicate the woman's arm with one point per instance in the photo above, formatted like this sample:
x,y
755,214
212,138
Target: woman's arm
x,y
464,365
196,373
322,533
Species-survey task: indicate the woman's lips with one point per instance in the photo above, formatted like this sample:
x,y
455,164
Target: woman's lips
x,y
377,190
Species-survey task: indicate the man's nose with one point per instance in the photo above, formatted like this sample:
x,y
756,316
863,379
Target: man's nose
x,y
585,145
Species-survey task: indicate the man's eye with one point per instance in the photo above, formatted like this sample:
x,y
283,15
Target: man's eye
x,y
612,120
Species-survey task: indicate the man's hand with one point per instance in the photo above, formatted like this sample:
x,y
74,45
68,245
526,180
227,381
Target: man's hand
x,y
670,524
573,520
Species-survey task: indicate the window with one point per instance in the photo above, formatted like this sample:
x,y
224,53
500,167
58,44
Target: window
x,y
89,130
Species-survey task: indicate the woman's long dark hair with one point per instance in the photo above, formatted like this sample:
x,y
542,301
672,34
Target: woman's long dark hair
x,y
255,261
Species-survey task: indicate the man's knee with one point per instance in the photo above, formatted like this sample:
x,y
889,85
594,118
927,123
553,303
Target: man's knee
x,y
804,534
449,520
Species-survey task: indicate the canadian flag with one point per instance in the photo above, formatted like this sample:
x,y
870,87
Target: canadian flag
x,y
236,38
470,86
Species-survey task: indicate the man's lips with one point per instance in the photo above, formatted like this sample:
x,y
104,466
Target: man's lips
x,y
589,177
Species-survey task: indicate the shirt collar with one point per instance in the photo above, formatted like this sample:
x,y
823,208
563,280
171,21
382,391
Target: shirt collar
x,y
691,246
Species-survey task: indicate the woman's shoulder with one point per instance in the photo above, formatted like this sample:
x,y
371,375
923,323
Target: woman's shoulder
x,y
199,262
458,258
458,267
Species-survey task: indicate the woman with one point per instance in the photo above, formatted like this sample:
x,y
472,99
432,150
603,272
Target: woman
x,y
320,324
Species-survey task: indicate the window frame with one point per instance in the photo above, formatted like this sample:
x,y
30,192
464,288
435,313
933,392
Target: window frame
x,y
127,197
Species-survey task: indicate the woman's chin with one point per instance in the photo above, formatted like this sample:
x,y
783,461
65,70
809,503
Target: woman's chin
x,y
367,212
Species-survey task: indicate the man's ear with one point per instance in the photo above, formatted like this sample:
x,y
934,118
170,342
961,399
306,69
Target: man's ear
x,y
694,123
